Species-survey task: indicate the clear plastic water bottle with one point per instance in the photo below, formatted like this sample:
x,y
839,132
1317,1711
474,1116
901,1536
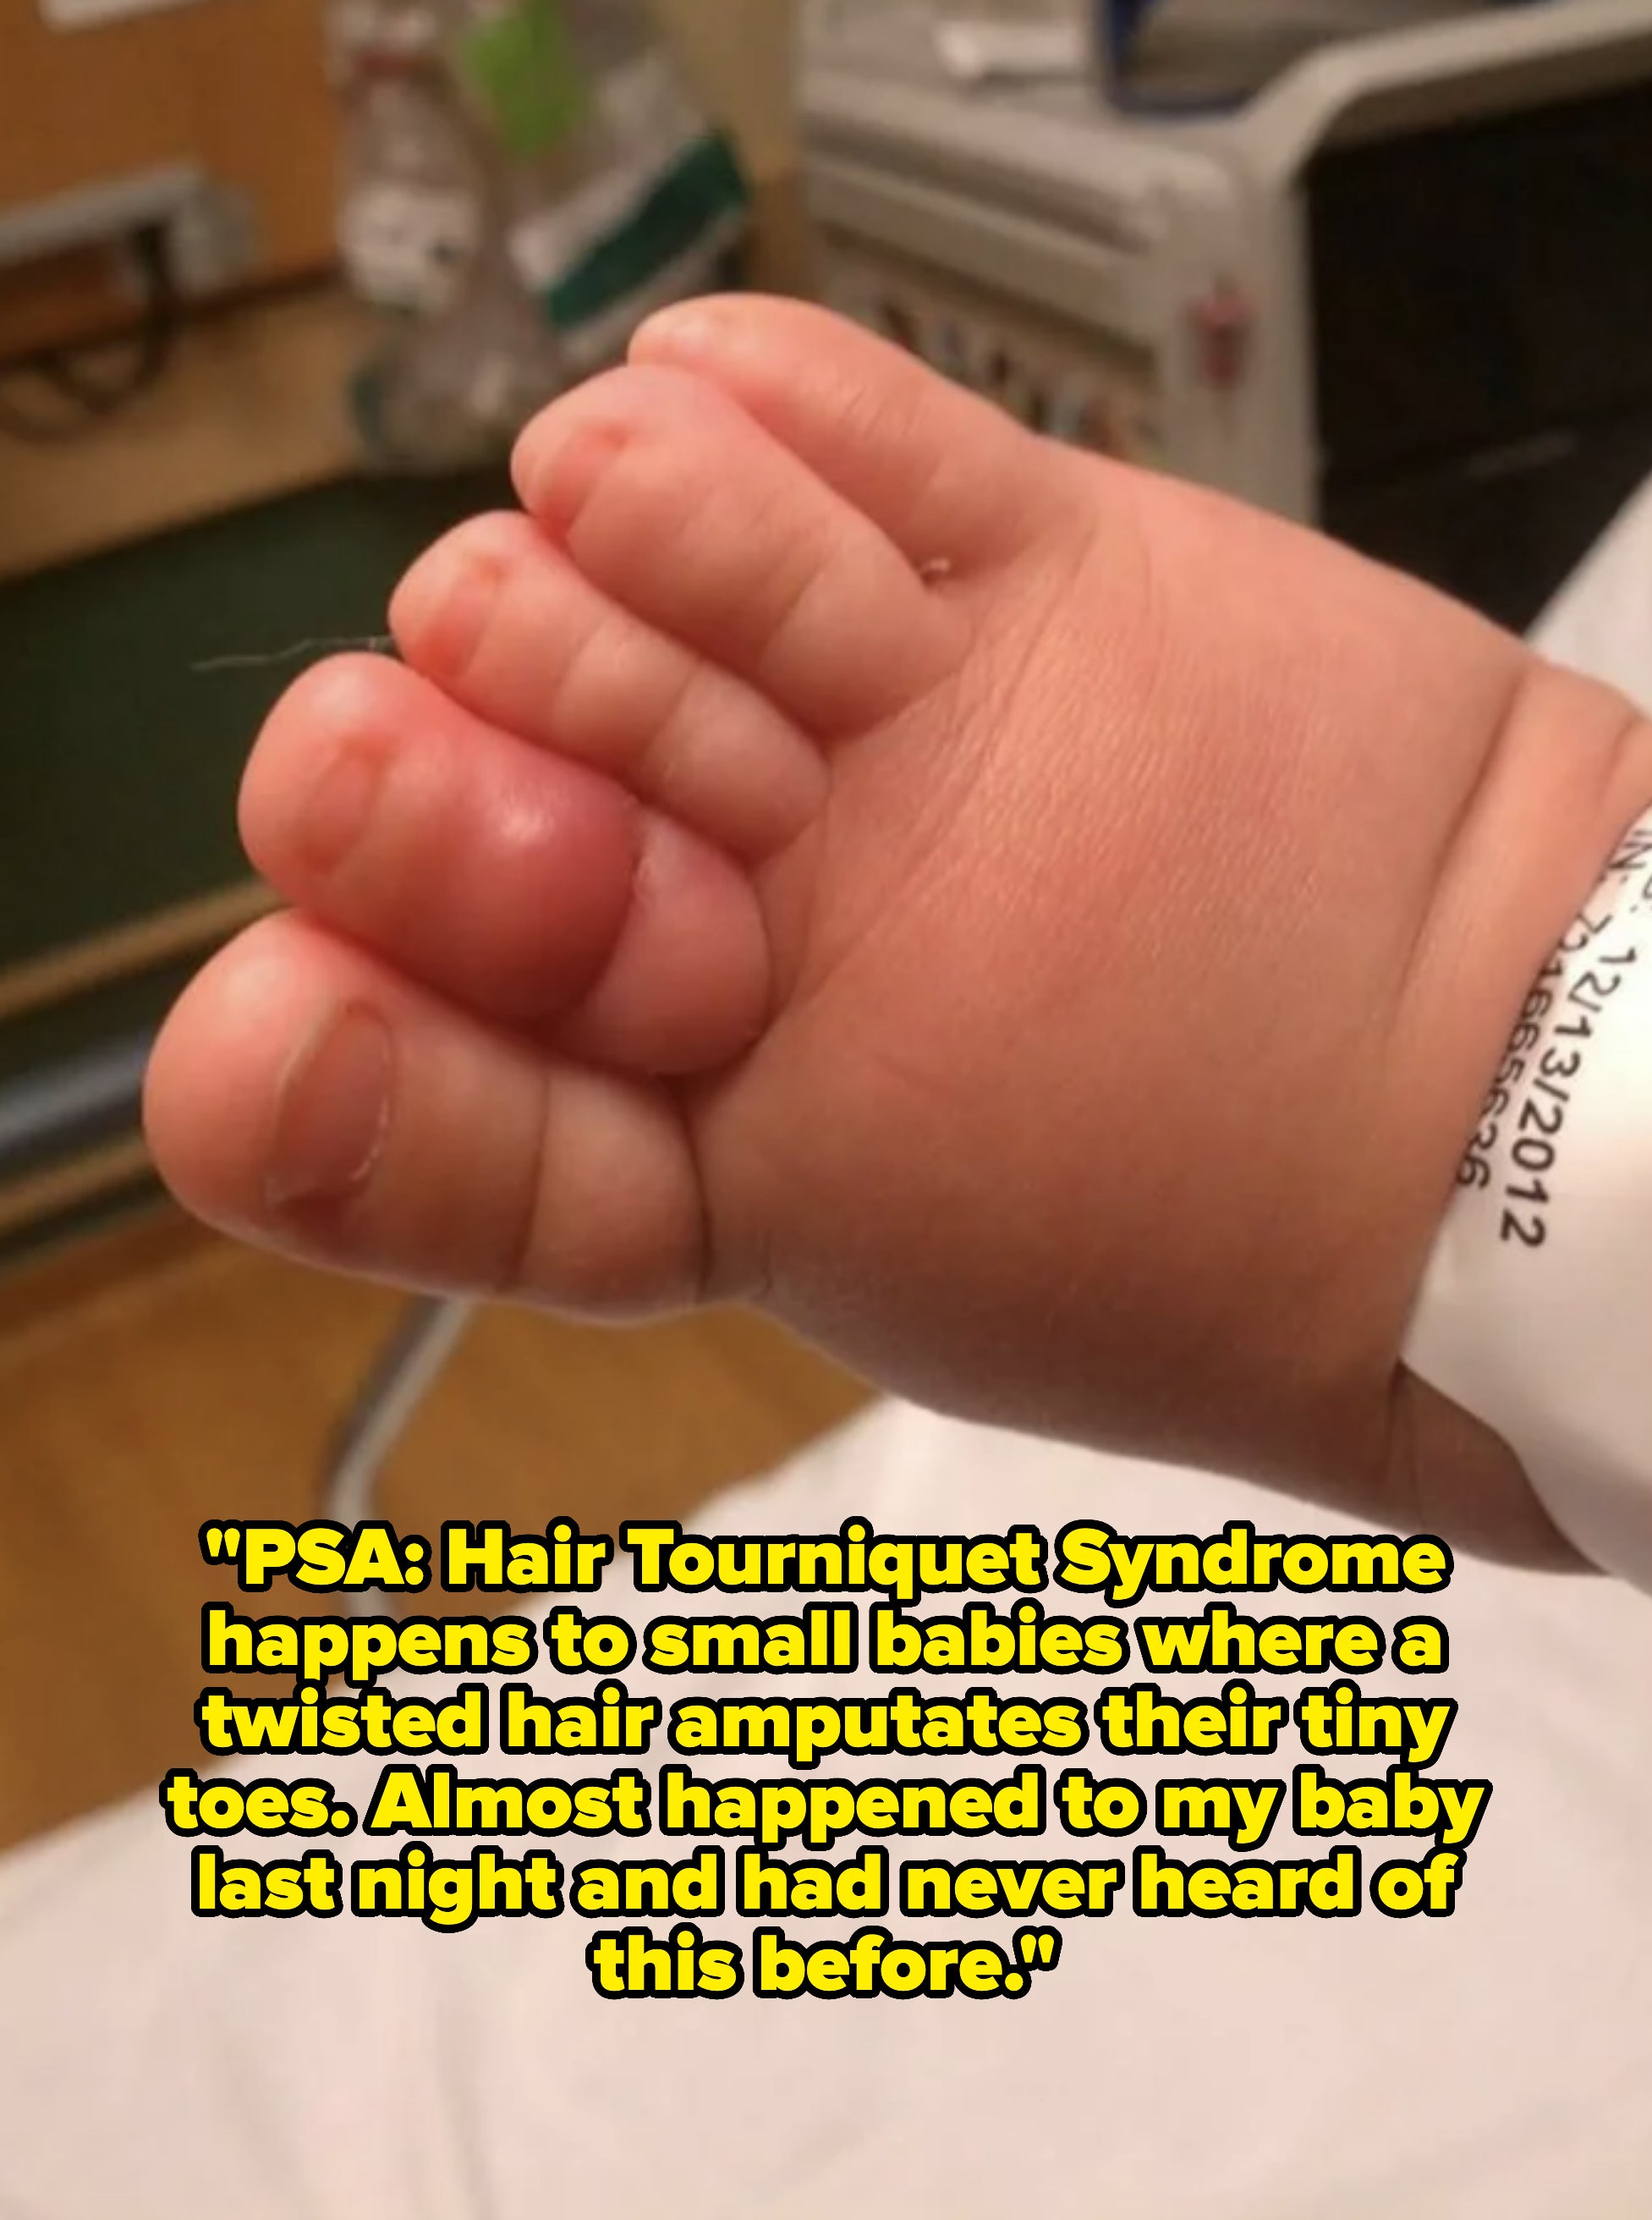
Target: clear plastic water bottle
x,y
464,357
618,196
525,179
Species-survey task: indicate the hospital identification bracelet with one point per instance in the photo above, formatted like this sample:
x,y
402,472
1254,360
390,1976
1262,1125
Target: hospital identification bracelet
x,y
1536,1311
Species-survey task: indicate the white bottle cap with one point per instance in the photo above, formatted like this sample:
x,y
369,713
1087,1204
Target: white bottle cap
x,y
1536,1311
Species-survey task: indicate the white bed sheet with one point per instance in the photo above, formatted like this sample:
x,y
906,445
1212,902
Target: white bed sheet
x,y
1490,2067
1495,2066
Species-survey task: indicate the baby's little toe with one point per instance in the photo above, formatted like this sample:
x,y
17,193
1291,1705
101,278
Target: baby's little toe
x,y
673,503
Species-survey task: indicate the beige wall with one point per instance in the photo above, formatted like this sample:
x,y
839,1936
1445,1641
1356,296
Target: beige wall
x,y
239,88
738,52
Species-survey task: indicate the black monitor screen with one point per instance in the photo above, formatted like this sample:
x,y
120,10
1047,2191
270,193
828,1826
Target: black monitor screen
x,y
1477,286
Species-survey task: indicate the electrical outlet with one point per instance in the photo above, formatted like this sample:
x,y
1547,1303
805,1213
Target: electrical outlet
x,y
77,14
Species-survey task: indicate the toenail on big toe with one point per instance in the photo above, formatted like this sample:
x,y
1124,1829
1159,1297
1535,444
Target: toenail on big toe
x,y
333,1112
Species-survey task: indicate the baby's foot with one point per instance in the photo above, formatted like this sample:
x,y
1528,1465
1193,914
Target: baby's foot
x,y
1044,931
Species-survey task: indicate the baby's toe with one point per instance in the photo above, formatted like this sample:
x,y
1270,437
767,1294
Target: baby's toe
x,y
531,890
948,477
503,622
675,503
304,1096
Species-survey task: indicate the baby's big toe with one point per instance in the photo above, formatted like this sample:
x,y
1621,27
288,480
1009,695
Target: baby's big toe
x,y
303,1095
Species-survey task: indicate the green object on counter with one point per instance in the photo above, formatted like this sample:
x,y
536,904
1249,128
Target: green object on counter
x,y
700,196
521,65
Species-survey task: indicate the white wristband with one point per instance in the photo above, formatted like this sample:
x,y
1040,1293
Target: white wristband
x,y
1536,1311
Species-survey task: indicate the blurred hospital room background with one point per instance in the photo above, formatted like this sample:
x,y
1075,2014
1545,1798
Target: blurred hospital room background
x,y
279,278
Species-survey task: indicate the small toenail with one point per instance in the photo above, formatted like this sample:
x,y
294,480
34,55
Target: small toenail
x,y
444,606
560,486
339,804
333,1113
687,327
937,568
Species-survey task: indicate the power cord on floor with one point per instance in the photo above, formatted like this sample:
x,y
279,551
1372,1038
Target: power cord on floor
x,y
86,396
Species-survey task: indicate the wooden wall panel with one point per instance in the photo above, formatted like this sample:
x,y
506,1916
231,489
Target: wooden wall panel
x,y
237,86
